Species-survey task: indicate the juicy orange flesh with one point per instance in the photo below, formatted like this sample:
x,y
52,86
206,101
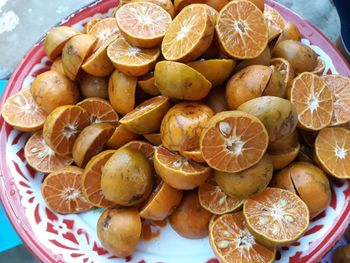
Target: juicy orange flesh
x,y
42,157
104,31
146,106
122,52
177,162
62,192
144,20
275,21
66,129
340,87
234,143
313,101
99,110
277,214
185,31
22,110
233,241
92,180
146,148
214,199
242,29
332,148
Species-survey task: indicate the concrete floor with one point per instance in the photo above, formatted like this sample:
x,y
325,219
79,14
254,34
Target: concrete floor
x,y
23,22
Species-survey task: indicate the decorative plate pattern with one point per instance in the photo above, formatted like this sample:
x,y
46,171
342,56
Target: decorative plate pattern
x,y
73,238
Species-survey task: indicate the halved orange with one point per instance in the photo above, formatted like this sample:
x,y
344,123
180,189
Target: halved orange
x,y
212,198
62,191
153,138
332,148
320,67
104,31
178,171
289,32
285,68
241,30
282,159
276,217
275,22
22,112
195,155
57,65
146,148
91,23
161,203
90,142
131,60
217,5
167,5
91,180
63,126
313,101
99,110
121,136
147,117
143,24
189,34
232,242
340,86
41,157
147,84
233,141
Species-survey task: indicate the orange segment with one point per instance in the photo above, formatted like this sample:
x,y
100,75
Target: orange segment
x,y
99,110
189,34
233,141
131,60
91,180
340,87
146,148
285,68
275,22
212,198
241,30
121,136
61,191
41,157
313,101
143,24
276,217
22,112
332,148
104,30
178,171
232,242
63,126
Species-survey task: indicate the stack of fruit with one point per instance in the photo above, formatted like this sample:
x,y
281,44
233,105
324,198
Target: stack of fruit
x,y
216,137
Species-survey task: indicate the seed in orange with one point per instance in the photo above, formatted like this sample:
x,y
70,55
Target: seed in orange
x,y
320,67
99,110
63,126
153,138
285,68
212,198
282,159
131,60
56,39
340,87
146,83
22,112
162,202
41,157
276,217
332,148
57,65
62,191
241,30
178,171
233,141
91,23
104,30
275,22
143,24
189,34
232,242
146,148
313,101
182,125
195,155
121,136
90,142
91,180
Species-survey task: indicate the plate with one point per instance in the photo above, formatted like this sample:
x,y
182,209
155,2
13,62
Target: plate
x,y
72,238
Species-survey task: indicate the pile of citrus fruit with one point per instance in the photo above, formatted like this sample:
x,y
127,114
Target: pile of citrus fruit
x,y
212,114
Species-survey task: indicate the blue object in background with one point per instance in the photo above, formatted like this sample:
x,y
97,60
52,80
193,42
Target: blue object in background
x,y
8,236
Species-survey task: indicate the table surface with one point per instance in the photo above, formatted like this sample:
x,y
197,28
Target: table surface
x,y
22,23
